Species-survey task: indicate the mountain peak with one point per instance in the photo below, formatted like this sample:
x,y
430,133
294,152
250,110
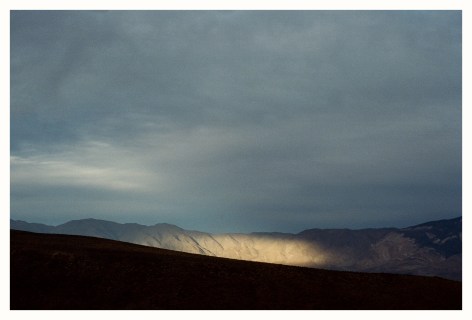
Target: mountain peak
x,y
168,227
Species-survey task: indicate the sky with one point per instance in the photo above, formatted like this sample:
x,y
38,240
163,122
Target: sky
x,y
236,121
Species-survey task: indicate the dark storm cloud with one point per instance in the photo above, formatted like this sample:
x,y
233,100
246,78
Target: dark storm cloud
x,y
237,120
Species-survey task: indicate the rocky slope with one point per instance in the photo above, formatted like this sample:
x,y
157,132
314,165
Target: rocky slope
x,y
433,248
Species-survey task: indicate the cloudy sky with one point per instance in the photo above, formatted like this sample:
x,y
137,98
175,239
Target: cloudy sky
x,y
236,121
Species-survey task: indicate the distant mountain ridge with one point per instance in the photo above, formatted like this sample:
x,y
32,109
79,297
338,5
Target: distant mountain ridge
x,y
433,248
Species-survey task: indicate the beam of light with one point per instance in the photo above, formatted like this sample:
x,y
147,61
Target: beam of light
x,y
252,247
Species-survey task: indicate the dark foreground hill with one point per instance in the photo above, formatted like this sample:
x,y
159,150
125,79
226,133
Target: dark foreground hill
x,y
50,271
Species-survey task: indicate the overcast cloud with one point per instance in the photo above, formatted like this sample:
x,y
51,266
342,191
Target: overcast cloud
x,y
236,121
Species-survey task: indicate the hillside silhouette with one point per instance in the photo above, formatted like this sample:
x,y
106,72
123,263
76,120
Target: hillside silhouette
x,y
51,271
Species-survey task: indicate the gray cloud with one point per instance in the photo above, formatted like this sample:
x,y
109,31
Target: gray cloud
x,y
236,121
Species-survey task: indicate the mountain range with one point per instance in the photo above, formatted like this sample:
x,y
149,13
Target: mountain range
x,y
433,248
